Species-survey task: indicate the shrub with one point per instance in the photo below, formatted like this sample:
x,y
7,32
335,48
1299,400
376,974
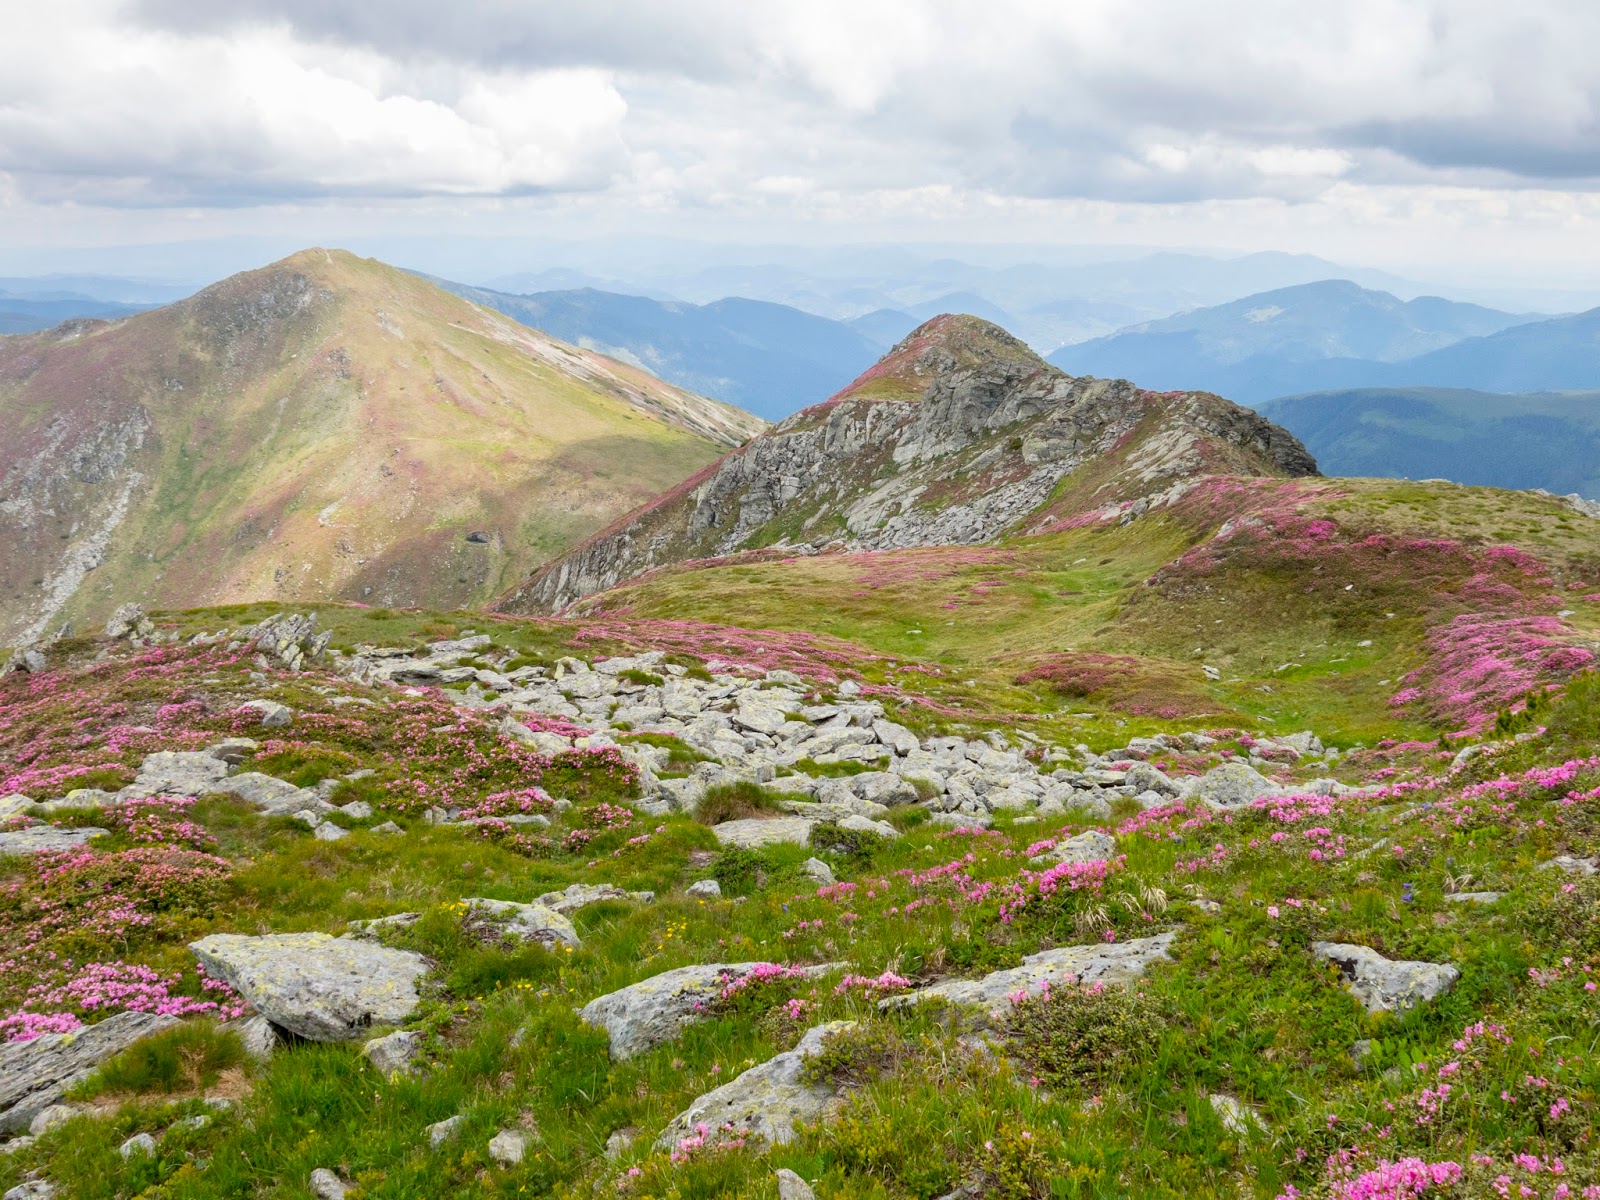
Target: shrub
x,y
739,870
1070,1035
852,1057
734,801
855,846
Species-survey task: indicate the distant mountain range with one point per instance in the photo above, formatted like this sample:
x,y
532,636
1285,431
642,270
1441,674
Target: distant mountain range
x,y
769,359
1334,334
1541,440
30,313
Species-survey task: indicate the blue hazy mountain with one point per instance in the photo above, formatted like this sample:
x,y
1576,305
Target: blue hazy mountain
x,y
769,359
1546,440
1315,336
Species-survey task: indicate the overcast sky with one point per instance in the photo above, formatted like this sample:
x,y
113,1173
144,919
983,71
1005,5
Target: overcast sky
x,y
1458,134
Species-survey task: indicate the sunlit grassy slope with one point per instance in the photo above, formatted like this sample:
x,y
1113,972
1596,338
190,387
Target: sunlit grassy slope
x,y
325,427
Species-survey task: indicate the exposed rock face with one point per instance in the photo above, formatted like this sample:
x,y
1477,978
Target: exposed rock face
x,y
765,1102
655,1010
1386,985
36,1073
959,434
323,988
1114,962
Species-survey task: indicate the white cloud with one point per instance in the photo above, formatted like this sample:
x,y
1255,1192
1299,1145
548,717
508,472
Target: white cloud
x,y
94,109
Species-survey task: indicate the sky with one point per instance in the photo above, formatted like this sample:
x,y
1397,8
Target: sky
x,y
1455,138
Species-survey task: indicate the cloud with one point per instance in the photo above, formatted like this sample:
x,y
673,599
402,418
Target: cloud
x,y
103,112
703,103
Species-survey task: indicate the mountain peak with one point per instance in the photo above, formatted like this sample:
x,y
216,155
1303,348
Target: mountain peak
x,y
960,435
940,346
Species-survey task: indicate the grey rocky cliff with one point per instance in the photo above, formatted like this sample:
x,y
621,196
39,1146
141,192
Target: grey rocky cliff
x,y
977,453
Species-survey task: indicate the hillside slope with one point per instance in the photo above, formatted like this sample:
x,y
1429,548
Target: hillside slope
x,y
325,427
959,434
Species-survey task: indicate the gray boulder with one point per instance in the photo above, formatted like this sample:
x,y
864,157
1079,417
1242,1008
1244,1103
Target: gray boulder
x,y
704,889
138,1144
792,1187
32,1189
818,871
179,773
509,1147
753,832
1472,897
268,793
655,1010
1103,962
882,787
1567,864
579,895
273,714
325,1185
1386,985
124,619
525,922
35,1074
1091,846
36,838
442,1131
323,988
1232,785
767,1101
393,1053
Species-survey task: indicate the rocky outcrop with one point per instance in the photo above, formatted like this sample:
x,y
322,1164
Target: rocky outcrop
x,y
323,988
1112,962
655,1010
36,1073
1386,985
763,1104
958,435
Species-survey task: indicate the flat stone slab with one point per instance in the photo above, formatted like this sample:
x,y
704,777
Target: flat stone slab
x,y
580,895
643,1015
753,832
1103,962
1092,846
766,1102
37,838
179,773
269,793
323,988
35,1074
1472,897
1386,985
525,922
1571,865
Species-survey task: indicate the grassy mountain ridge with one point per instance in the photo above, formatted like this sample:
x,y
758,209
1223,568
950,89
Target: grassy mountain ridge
x,y
326,426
